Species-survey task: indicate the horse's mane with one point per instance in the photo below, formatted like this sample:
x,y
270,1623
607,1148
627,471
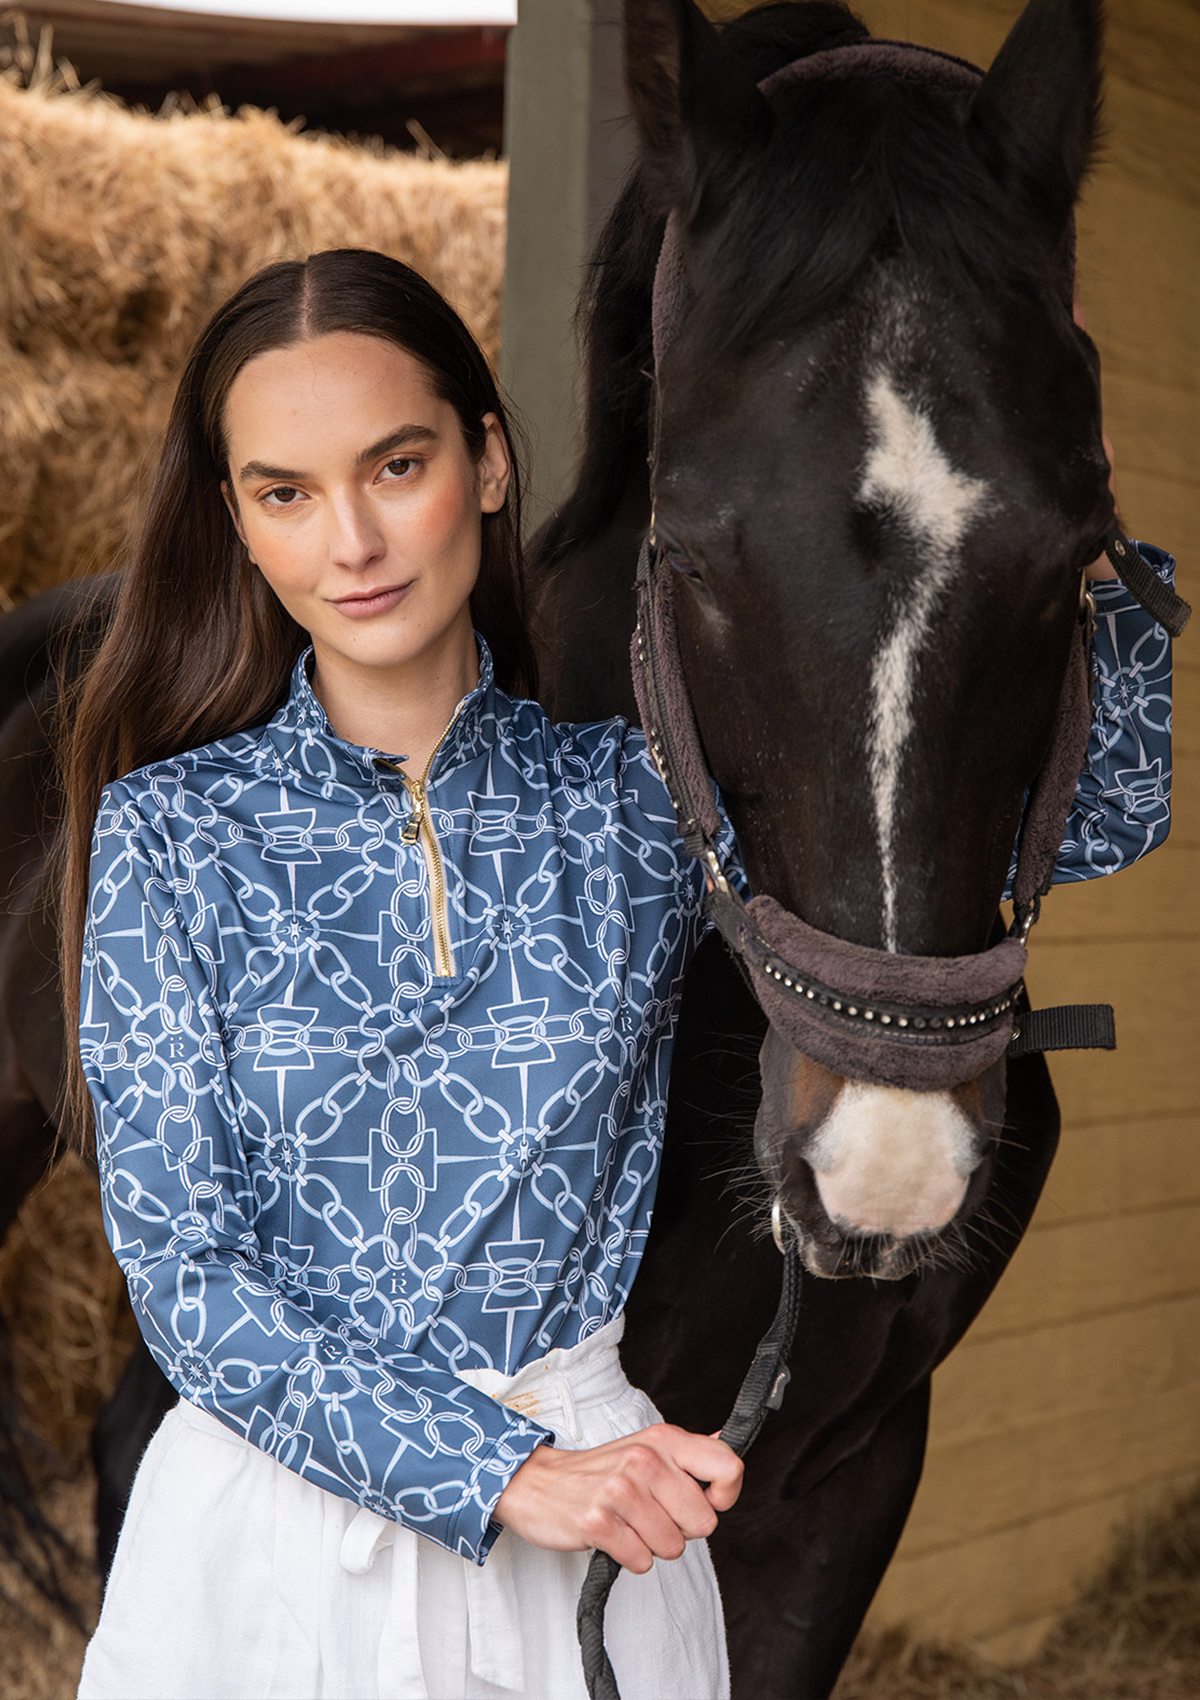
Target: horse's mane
x,y
883,187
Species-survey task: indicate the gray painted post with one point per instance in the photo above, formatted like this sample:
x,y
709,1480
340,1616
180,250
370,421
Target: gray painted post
x,y
568,144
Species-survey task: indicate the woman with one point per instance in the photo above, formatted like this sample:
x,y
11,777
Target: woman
x,y
379,982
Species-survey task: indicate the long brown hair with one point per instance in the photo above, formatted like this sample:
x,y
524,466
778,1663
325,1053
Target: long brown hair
x,y
198,646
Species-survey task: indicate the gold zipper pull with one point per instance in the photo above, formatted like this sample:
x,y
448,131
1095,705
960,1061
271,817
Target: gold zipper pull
x,y
412,826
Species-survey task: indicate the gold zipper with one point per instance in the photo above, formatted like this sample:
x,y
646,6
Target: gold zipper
x,y
439,916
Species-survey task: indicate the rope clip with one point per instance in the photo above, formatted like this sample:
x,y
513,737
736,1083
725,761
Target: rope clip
x,y
779,1387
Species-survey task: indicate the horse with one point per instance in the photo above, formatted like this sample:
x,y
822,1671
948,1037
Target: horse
x,y
833,377
865,351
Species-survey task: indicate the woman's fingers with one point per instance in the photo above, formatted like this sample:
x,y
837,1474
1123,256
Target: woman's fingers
x,y
692,1476
656,1493
635,1522
639,1498
710,1460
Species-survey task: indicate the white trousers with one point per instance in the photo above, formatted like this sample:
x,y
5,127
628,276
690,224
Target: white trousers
x,y
235,1579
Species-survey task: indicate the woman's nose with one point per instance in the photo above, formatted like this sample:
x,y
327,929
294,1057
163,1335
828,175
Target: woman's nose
x,y
356,540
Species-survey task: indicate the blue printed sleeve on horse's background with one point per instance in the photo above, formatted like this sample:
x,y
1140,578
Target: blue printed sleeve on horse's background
x,y
1122,806
382,1428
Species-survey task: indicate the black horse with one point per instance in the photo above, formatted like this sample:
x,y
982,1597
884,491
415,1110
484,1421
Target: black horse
x,y
878,472
849,397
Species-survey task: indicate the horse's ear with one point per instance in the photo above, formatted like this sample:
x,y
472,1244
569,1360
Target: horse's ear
x,y
691,103
1035,115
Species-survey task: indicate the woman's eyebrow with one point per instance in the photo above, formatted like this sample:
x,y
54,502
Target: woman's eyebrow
x,y
402,438
405,436
260,469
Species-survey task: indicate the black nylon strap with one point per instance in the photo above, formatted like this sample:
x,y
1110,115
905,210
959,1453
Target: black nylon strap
x,y
1145,586
761,1391
1066,1027
768,1376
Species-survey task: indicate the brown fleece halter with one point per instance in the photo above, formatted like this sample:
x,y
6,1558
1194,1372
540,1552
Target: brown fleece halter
x,y
922,1022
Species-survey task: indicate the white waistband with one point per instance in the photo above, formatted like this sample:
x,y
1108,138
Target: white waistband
x,y
554,1389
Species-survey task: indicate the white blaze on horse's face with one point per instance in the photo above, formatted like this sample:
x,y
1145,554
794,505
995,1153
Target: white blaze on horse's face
x,y
910,480
892,1162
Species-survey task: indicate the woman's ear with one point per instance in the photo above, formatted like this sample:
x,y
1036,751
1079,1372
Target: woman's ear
x,y
231,503
495,466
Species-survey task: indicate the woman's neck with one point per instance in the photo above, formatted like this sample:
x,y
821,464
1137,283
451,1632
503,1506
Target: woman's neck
x,y
404,710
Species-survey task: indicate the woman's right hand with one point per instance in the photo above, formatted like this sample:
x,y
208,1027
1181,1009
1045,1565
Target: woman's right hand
x,y
638,1498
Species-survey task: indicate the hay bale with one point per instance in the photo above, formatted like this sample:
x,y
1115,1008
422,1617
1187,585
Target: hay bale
x,y
63,1299
69,1331
119,235
41,1649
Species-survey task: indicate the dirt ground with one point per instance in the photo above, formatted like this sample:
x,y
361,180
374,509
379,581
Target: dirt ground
x,y
1134,1635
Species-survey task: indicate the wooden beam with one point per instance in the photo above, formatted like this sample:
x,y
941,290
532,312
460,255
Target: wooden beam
x,y
568,141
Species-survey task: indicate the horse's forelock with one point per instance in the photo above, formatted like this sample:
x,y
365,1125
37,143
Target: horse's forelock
x,y
870,157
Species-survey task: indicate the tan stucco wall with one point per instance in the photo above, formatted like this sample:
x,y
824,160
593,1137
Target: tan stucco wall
x,y
1075,1400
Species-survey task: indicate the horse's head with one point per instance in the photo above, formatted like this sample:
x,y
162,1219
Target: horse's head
x,y
879,473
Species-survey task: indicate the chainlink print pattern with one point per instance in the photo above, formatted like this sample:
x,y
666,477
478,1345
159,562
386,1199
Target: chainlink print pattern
x,y
1128,771
334,1179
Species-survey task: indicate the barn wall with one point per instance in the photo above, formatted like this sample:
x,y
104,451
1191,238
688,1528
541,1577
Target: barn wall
x,y
1073,1403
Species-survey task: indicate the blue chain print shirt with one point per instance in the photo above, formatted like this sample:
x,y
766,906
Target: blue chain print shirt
x,y
332,1175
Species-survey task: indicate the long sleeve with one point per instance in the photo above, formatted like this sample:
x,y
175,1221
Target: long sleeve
x,y
380,1427
1122,806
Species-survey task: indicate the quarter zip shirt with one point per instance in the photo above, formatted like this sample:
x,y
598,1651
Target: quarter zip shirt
x,y
376,1105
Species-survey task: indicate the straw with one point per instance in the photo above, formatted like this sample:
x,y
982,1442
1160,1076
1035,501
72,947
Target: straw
x,y
120,232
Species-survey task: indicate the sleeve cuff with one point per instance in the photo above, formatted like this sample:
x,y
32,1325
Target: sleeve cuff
x,y
473,1531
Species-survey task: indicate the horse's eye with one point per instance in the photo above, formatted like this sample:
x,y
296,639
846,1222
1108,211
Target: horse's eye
x,y
679,562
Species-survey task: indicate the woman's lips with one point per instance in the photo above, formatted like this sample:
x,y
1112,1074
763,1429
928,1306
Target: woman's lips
x,y
372,601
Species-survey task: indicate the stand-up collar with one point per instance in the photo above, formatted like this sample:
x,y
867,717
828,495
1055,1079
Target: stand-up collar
x,y
299,742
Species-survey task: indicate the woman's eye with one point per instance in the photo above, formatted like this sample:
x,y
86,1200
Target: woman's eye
x,y
399,468
284,496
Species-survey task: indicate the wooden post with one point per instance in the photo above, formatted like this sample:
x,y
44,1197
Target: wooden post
x,y
568,142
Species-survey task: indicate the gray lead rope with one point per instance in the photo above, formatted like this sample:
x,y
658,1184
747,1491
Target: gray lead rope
x,y
761,1391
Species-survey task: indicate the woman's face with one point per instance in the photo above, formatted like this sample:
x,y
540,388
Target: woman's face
x,y
352,487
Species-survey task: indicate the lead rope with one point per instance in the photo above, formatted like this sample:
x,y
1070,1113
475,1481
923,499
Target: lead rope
x,y
761,1391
